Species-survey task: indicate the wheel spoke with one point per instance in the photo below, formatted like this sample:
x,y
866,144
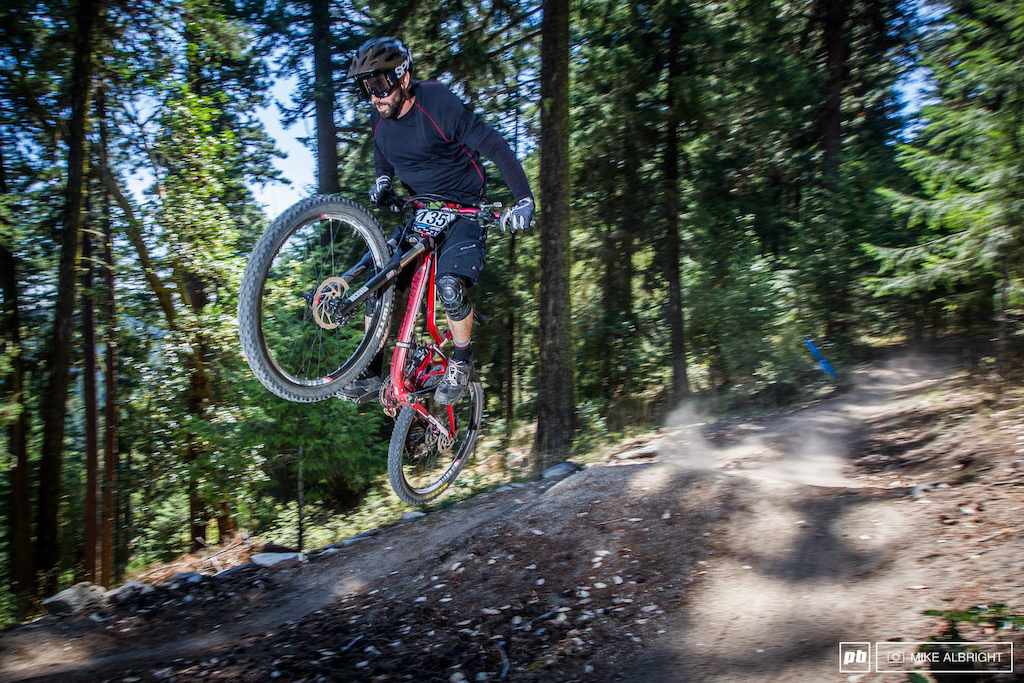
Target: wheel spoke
x,y
422,462
295,339
298,355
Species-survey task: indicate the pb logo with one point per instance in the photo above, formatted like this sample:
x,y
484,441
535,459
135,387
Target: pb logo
x,y
854,658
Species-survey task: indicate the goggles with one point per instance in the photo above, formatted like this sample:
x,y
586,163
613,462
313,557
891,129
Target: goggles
x,y
378,84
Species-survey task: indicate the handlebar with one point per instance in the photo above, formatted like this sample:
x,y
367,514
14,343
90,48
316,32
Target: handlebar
x,y
485,213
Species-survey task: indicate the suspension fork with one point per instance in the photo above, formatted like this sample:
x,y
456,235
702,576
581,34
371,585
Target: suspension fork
x,y
385,277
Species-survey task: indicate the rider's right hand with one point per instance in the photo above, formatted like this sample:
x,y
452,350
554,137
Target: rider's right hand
x,y
381,190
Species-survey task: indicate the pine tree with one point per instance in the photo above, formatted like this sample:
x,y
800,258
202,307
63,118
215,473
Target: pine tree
x,y
969,162
555,405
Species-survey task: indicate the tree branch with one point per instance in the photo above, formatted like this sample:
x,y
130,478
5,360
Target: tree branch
x,y
134,232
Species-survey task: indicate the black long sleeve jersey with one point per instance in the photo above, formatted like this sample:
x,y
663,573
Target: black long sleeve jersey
x,y
435,148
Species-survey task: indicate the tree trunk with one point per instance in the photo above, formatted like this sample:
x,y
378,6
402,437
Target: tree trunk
x,y
58,367
123,516
198,398
670,159
20,512
91,511
225,522
556,418
323,98
1003,347
110,421
836,51
616,302
510,347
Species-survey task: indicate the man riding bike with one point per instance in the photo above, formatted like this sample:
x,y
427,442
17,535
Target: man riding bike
x,y
427,136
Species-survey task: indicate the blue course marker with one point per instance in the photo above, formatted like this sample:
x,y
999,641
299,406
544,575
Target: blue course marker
x,y
825,367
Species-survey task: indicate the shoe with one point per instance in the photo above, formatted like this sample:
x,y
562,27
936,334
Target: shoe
x,y
362,389
455,382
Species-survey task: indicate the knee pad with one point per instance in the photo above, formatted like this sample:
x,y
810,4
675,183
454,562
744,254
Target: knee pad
x,y
452,293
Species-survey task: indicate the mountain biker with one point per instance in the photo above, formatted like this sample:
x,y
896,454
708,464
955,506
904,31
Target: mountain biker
x,y
427,136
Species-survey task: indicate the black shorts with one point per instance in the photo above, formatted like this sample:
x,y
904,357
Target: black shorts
x,y
463,252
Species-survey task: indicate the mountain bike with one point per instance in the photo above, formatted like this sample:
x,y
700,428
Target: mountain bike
x,y
315,307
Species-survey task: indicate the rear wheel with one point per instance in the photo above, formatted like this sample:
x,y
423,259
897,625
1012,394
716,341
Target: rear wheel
x,y
422,461
294,341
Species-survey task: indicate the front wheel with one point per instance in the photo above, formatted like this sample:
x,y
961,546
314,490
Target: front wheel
x,y
291,335
422,462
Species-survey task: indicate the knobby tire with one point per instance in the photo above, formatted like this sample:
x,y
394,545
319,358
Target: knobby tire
x,y
290,354
407,442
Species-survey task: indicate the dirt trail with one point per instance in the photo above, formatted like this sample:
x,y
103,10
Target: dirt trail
x,y
811,557
746,550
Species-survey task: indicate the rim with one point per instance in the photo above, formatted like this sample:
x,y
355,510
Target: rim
x,y
427,469
298,348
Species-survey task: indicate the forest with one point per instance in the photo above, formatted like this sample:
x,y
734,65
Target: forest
x,y
716,182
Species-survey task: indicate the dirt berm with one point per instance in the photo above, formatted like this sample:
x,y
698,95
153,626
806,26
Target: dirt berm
x,y
746,549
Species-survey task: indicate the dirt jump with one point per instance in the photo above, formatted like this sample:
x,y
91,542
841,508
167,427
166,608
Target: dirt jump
x,y
746,549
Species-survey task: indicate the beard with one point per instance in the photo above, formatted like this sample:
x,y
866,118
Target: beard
x,y
391,107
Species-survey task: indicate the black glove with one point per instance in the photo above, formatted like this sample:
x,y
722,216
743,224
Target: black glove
x,y
519,216
381,190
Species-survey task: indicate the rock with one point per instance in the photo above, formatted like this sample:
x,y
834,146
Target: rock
x,y
270,559
353,539
921,489
240,569
561,470
647,451
127,592
186,578
412,514
81,597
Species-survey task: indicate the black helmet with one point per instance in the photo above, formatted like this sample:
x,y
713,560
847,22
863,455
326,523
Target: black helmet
x,y
380,54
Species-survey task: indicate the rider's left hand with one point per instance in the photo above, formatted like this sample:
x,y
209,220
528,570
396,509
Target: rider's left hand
x,y
519,216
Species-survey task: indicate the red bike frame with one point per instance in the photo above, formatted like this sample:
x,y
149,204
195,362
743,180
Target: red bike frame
x,y
402,388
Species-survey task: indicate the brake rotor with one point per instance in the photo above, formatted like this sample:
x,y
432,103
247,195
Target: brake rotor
x,y
445,443
331,289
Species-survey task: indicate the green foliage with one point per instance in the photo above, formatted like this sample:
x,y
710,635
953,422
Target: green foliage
x,y
995,614
338,443
280,523
163,530
967,224
772,229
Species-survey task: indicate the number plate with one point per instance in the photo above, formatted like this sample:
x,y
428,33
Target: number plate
x,y
430,222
